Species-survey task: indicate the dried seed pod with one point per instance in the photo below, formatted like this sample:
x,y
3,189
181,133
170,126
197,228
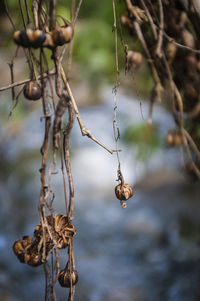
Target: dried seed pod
x,y
21,38
134,59
173,138
21,247
64,231
169,138
62,34
65,277
32,90
29,38
123,191
177,139
22,244
34,260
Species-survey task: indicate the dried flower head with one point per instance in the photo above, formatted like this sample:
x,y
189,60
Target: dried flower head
x,y
123,191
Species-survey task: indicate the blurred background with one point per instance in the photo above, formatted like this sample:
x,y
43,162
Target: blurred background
x,y
149,251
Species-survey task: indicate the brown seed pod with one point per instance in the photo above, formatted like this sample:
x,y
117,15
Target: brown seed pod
x,y
64,231
22,244
62,34
32,90
21,247
177,139
29,38
123,191
65,277
134,59
21,38
34,260
173,138
169,138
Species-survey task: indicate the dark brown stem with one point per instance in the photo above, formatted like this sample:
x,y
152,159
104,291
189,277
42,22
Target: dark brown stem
x,y
66,136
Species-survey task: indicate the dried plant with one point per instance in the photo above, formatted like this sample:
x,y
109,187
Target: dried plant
x,y
168,32
42,29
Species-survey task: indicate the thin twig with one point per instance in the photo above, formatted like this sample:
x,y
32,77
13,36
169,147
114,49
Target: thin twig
x,y
22,82
8,15
158,50
77,12
84,130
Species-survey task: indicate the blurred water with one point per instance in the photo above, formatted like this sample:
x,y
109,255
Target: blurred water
x,y
147,252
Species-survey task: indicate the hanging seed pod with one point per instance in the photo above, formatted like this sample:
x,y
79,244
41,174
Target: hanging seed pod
x,y
64,231
62,34
20,248
29,38
177,139
134,59
32,90
34,260
123,191
65,277
22,244
169,138
173,138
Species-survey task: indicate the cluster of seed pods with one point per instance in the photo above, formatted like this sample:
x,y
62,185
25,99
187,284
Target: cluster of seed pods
x,y
35,251
37,38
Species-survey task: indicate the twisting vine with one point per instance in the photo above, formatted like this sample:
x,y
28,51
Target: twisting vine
x,y
123,191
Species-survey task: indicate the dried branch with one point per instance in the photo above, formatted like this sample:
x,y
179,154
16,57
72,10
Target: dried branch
x,y
77,11
22,82
84,130
158,50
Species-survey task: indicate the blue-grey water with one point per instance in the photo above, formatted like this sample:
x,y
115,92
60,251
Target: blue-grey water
x,y
149,251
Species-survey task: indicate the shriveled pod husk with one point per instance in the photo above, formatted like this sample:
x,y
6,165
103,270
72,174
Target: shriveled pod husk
x,y
123,191
64,231
29,38
32,90
20,248
62,34
134,59
65,277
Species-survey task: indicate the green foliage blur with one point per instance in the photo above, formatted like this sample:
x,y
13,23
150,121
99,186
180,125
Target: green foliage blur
x,y
144,137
